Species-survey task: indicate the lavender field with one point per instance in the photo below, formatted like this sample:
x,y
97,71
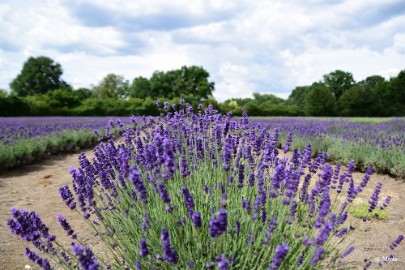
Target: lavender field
x,y
201,190
24,140
377,142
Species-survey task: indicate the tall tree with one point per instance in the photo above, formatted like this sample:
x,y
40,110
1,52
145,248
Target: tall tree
x,y
298,97
187,82
39,75
395,95
338,82
112,86
140,88
359,100
319,101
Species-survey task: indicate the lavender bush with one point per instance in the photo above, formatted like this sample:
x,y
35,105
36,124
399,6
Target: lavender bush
x,y
200,191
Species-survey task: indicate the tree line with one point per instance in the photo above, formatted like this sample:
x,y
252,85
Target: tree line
x,y
40,90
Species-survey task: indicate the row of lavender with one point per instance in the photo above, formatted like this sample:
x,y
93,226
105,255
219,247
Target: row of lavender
x,y
26,139
13,129
381,145
386,134
201,191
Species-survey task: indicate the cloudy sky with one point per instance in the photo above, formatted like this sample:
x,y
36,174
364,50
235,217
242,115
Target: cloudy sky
x,y
246,46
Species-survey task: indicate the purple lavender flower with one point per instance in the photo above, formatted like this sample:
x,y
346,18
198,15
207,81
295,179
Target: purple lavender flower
x,y
138,265
145,223
218,225
169,254
241,175
67,197
306,241
342,232
188,200
293,208
226,156
279,256
347,252
317,256
210,265
65,225
251,180
373,201
191,264
163,192
47,266
183,166
324,208
31,255
269,231
350,167
143,248
237,227
368,264
288,142
85,257
277,179
166,106
139,186
169,159
196,219
386,202
29,226
223,262
323,235
396,242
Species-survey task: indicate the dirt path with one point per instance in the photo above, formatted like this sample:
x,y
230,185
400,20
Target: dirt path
x,y
35,187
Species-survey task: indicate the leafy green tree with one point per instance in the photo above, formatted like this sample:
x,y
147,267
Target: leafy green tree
x,y
298,97
83,93
269,98
13,105
39,75
395,95
141,88
190,83
359,100
320,101
112,86
372,81
338,82
3,93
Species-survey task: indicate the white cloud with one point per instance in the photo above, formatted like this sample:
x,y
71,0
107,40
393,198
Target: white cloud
x,y
268,46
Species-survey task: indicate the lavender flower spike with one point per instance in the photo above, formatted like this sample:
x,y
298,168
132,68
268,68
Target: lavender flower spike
x,y
67,197
317,256
396,242
85,257
169,254
374,197
281,252
143,248
223,262
66,226
347,252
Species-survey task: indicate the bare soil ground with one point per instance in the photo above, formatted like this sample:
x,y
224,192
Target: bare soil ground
x,y
35,187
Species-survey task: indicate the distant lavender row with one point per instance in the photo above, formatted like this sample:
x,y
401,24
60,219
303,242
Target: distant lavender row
x,y
16,128
389,134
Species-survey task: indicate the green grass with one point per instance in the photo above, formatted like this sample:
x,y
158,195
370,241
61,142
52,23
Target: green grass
x,y
369,120
361,211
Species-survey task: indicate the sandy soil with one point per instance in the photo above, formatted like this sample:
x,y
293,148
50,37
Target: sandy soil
x,y
35,187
